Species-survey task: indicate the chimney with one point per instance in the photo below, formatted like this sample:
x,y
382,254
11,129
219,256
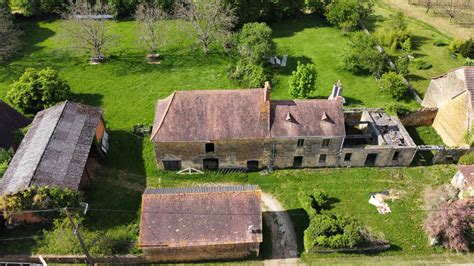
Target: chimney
x,y
267,89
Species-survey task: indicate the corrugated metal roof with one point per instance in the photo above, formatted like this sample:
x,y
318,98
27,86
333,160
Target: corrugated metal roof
x,y
10,120
201,189
55,149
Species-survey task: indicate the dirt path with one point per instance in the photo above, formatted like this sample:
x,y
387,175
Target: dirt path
x,y
284,244
440,23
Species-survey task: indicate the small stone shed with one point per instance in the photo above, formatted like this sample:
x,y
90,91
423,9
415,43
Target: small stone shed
x,y
10,120
200,223
452,93
464,180
57,149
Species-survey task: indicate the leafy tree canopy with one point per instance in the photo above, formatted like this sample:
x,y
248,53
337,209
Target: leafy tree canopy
x,y
303,80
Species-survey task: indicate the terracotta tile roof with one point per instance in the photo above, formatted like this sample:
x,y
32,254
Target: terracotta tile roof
x,y
55,149
468,172
242,114
303,118
10,120
211,115
197,216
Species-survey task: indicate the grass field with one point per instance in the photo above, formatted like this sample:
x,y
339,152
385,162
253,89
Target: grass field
x,y
423,37
127,89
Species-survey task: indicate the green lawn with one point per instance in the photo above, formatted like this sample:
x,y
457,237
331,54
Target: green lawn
x,y
423,37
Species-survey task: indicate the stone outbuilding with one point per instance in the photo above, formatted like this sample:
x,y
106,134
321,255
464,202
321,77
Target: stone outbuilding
x,y
464,181
58,149
10,120
452,94
226,129
200,223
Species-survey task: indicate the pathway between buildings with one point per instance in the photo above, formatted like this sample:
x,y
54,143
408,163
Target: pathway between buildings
x,y
283,236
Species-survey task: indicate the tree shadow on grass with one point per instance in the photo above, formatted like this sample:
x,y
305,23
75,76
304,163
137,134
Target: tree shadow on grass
x,y
372,21
291,65
417,41
289,27
94,99
413,77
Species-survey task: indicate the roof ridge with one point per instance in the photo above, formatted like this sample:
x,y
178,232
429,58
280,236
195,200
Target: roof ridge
x,y
164,116
49,140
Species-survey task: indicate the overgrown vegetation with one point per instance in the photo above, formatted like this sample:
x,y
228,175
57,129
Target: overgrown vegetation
x,y
399,109
393,83
467,159
346,14
303,80
38,89
9,35
5,157
362,55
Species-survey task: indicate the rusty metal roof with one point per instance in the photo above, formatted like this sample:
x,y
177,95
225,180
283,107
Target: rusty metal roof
x,y
242,114
55,149
200,216
308,118
10,120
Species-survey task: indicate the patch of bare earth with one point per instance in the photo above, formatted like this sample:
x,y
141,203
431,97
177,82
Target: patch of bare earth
x,y
441,23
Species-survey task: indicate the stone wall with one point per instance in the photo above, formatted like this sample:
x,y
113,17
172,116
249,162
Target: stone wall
x,y
449,155
385,155
421,117
202,253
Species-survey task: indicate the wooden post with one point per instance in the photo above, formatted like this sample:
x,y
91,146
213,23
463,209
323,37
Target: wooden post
x,y
89,259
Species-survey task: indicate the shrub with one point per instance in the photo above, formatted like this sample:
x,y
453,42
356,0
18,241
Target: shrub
x,y
249,74
420,64
403,63
6,155
401,110
467,49
455,45
347,13
39,198
469,62
38,89
303,80
332,231
440,42
362,56
254,42
314,201
451,225
467,158
393,83
395,38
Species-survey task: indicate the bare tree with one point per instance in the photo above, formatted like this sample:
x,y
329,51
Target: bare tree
x,y
452,8
451,224
153,27
211,20
9,36
86,28
428,4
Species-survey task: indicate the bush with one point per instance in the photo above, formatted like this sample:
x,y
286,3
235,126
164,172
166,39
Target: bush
x,y
402,64
39,198
455,45
452,224
392,83
332,231
467,158
254,42
314,202
362,56
347,13
6,155
249,74
469,62
420,64
394,38
467,49
37,90
440,42
401,110
303,80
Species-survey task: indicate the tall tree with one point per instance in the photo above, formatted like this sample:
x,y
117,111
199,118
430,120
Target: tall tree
x,y
211,20
9,35
86,28
362,56
152,26
347,13
302,81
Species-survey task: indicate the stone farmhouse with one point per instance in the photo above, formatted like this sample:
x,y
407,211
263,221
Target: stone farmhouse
x,y
216,129
58,149
10,120
453,94
200,223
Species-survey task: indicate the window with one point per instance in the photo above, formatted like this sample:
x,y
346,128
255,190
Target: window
x,y
300,143
326,143
298,161
172,165
209,147
396,156
371,159
211,164
322,158
347,157
252,165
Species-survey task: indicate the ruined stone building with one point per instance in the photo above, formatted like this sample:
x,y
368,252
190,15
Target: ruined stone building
x,y
452,94
215,129
200,223
57,149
